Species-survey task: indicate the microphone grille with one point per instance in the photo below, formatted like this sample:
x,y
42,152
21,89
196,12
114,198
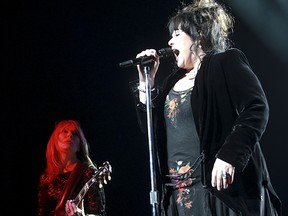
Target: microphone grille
x,y
165,52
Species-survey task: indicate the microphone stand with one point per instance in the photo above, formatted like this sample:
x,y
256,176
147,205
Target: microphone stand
x,y
153,192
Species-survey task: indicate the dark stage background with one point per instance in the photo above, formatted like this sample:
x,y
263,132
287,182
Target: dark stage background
x,y
61,60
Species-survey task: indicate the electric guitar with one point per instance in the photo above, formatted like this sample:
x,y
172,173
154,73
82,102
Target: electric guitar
x,y
99,177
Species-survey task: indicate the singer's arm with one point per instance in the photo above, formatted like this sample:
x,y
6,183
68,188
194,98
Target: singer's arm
x,y
153,70
140,106
138,86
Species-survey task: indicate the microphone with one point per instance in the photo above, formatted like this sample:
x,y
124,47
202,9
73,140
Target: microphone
x,y
163,53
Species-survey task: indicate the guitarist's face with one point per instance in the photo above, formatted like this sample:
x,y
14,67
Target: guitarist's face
x,y
68,139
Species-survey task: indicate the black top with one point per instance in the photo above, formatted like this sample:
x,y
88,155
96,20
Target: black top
x,y
183,146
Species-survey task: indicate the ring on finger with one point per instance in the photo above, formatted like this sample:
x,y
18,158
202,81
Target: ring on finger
x,y
225,175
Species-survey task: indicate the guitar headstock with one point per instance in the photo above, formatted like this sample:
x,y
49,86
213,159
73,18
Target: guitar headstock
x,y
104,173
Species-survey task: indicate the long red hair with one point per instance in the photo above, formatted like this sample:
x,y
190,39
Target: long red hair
x,y
54,164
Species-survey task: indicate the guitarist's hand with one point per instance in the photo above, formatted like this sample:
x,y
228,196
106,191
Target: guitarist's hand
x,y
72,210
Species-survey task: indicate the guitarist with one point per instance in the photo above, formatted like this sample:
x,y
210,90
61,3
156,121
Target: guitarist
x,y
68,168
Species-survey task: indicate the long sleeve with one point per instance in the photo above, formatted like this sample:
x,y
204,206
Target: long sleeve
x,y
230,107
249,101
140,107
94,199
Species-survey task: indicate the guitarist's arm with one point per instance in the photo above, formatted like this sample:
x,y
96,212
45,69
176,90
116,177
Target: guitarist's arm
x,y
94,199
93,202
71,208
91,198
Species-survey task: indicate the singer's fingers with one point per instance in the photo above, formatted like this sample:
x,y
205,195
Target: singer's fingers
x,y
147,52
152,51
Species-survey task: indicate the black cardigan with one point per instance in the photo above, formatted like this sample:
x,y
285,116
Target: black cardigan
x,y
231,113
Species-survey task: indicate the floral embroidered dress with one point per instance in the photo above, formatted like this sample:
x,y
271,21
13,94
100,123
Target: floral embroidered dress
x,y
183,148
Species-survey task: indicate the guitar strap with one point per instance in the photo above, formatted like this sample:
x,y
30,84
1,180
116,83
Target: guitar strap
x,y
69,188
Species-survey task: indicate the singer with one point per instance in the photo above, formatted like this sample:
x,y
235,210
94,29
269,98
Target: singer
x,y
208,116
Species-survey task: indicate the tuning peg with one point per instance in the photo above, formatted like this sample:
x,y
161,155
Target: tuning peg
x,y
100,185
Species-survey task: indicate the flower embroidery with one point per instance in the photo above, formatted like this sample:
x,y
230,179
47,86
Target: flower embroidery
x,y
172,109
184,169
181,177
172,105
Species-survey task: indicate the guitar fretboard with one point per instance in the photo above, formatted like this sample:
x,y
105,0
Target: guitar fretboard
x,y
84,190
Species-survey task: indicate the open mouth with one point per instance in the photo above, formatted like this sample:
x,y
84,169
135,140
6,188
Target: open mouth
x,y
176,52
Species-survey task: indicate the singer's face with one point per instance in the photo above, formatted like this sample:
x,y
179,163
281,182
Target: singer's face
x,y
181,44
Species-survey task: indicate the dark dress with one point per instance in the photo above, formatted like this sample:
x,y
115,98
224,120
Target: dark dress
x,y
183,150
49,194
188,197
230,114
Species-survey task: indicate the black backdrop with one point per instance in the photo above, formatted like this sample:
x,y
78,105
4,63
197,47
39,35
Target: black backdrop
x,y
61,60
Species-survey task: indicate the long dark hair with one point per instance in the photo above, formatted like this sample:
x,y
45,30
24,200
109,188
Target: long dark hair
x,y
208,23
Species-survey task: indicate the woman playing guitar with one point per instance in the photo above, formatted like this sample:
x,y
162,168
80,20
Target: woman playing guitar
x,y
68,170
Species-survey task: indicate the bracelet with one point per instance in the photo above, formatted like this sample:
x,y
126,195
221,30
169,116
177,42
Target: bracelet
x,y
143,90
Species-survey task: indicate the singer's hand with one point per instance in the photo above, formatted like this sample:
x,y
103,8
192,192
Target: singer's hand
x,y
222,174
153,68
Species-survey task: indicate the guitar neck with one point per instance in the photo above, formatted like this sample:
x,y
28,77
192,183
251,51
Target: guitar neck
x,y
84,190
100,174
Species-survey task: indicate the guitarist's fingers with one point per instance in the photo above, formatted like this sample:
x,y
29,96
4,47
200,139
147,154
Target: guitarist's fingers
x,y
70,208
